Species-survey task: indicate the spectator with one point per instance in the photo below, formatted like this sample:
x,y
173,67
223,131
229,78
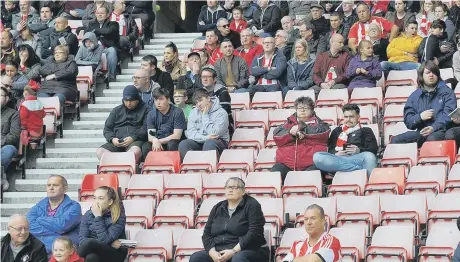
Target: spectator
x,y
453,133
171,63
283,6
232,71
266,20
212,46
288,25
300,68
378,8
208,17
180,97
8,9
165,124
228,5
330,67
400,17
327,247
26,37
282,44
191,80
238,23
303,134
60,35
329,6
74,10
60,72
436,47
226,33
456,64
149,63
306,33
31,114
124,129
237,239
320,24
29,62
350,146
19,245
349,15
128,30
55,215
144,11
337,27
7,47
102,227
359,31
456,257
26,17
18,82
107,33
379,44
249,8
45,23
298,10
204,57
57,7
207,127
454,15
11,129
441,13
425,17
91,11
427,108
364,69
145,86
248,49
90,52
63,250
403,51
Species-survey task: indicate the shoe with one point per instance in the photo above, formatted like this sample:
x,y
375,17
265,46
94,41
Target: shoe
x,y
5,184
112,78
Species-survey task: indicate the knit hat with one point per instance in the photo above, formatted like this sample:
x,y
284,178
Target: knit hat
x,y
130,93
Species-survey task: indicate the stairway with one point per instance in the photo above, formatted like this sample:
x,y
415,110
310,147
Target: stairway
x,y
75,154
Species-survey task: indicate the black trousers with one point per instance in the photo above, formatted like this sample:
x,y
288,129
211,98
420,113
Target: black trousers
x,y
93,250
283,169
172,145
415,137
453,134
260,255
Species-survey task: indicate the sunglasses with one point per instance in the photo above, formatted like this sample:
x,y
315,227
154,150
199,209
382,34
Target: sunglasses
x,y
225,26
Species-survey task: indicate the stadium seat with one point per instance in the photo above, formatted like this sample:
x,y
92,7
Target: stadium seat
x,y
328,115
85,206
444,211
269,142
146,187
91,182
152,245
391,130
265,159
236,160
278,117
198,44
214,185
161,162
267,100
269,240
189,243
205,209
176,215
85,83
252,118
183,186
54,118
352,242
438,152
243,138
74,24
139,213
290,235
240,101
358,211
426,180
391,243
400,155
393,113
348,183
453,181
388,180
440,244
397,95
332,97
263,184
292,95
303,183
199,161
294,209
446,73
372,96
118,163
273,213
401,78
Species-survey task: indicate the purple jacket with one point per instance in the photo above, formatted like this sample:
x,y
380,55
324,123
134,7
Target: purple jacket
x,y
371,65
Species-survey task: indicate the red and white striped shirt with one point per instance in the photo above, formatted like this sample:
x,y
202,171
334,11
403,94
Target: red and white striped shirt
x,y
120,19
327,247
262,81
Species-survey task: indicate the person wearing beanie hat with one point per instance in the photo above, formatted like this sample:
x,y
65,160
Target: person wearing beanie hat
x,y
124,128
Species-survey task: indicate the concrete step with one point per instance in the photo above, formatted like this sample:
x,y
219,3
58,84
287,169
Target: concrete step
x,y
125,78
113,93
70,143
109,100
129,71
94,116
30,197
82,162
159,51
68,173
72,152
12,209
88,125
105,107
184,46
119,85
164,41
39,185
175,35
138,59
84,133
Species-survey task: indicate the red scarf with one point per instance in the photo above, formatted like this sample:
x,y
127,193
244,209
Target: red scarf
x,y
427,25
343,137
117,19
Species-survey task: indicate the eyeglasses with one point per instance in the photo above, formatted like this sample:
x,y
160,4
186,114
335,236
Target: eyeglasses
x,y
232,187
138,77
20,229
225,26
303,108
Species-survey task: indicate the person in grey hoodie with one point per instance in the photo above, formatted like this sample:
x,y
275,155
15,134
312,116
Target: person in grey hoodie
x,y
207,127
90,52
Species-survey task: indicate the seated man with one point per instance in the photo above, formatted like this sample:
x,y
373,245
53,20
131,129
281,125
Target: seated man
x,y
207,127
45,23
27,16
325,247
192,79
248,49
56,215
351,146
427,109
129,32
320,24
90,52
436,46
19,244
7,47
288,25
232,71
144,11
149,63
124,129
145,86
266,20
336,27
60,35
209,16
225,33
212,46
165,124
282,44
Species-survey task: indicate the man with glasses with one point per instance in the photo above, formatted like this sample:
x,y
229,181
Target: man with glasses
x,y
281,42
149,63
19,245
145,86
248,49
306,33
225,33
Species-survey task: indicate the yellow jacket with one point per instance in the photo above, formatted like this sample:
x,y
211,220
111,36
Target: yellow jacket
x,y
397,48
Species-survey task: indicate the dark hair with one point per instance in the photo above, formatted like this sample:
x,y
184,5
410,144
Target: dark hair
x,y
238,8
337,14
172,46
438,23
317,207
430,66
444,8
106,7
33,57
212,30
304,100
209,69
412,22
351,107
159,92
151,59
11,62
226,40
199,94
46,5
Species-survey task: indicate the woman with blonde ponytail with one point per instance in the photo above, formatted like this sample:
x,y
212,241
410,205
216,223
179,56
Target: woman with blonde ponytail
x,y
101,228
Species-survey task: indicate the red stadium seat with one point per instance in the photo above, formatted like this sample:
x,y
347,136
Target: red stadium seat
x,y
372,96
352,242
240,101
358,211
397,94
278,117
440,244
215,183
400,155
328,115
267,100
160,162
85,83
189,243
118,162
444,211
438,152
183,186
294,208
292,95
92,182
303,183
146,187
236,160
401,78
332,98
388,180
53,118
139,213
152,245
204,211
243,138
199,161
348,183
273,213
290,235
426,180
263,184
393,243
252,118
453,181
265,159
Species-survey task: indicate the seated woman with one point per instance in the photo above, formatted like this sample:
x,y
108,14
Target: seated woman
x,y
235,228
60,73
26,37
299,138
172,63
436,46
64,251
29,62
18,82
101,228
364,69
300,68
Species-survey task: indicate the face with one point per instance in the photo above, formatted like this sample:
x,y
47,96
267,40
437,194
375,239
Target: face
x,y
246,38
436,31
101,198
303,111
314,224
428,6
61,252
3,97
335,22
411,30
179,99
140,79
224,28
5,40
363,13
147,66
169,54
299,50
229,4
374,31
207,79
457,2
337,44
19,230
24,6
203,58
367,50
268,44
316,13
347,6
287,24
45,13
101,15
233,191
350,118
61,24
227,49
439,12
25,33
89,44
60,55
193,60
211,38
203,103
429,78
399,6
262,3
120,6
162,103
279,39
55,188
211,3
130,104
10,71
304,32
9,5
24,54
236,15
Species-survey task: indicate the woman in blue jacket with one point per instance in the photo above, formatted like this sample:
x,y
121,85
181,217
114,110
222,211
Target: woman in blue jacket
x,y
300,68
101,227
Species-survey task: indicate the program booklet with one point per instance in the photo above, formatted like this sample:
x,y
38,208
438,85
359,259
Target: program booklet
x,y
128,243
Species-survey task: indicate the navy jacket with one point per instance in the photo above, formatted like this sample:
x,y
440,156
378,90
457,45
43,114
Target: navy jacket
x,y
442,101
456,257
278,62
101,228
305,79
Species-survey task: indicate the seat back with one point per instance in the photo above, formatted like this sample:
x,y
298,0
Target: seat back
x,y
426,179
403,210
273,213
303,183
395,241
400,155
199,161
236,160
189,243
52,108
265,159
444,210
402,77
391,130
453,182
204,211
146,186
118,162
263,184
248,138
184,186
290,235
161,162
267,100
372,96
294,208
358,211
198,44
328,115
352,241
292,95
438,152
440,244
215,183
348,183
388,180
152,244
252,118
332,97
91,182
240,101
270,142
139,213
398,94
278,117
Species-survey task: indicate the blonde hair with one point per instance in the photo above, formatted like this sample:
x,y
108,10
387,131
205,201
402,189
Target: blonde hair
x,y
65,240
115,208
306,54
180,91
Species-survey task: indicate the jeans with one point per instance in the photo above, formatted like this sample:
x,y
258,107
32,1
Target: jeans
x,y
93,250
112,60
172,145
8,153
387,66
331,163
415,137
60,96
210,144
260,255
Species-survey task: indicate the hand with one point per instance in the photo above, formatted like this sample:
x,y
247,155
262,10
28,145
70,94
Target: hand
x,y
128,140
412,54
205,109
20,26
96,209
156,145
115,244
444,49
427,114
436,61
252,80
352,149
214,255
364,72
115,142
74,13
50,77
226,255
195,68
294,130
426,131
300,135
332,82
358,71
341,153
325,86
230,89
212,136
456,120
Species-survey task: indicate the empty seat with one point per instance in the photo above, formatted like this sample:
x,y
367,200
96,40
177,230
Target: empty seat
x,y
270,142
215,183
278,117
400,155
146,186
438,152
348,183
160,162
184,186
453,181
292,95
199,161
240,101
139,213
392,241
332,97
444,211
358,211
303,183
426,180
388,180
446,73
205,209
398,94
252,118
92,182
294,208
440,244
264,184
248,138
267,100
391,130
152,245
118,162
372,96
393,113
53,118
236,160
189,243
376,131
402,78
265,159
352,242
290,235
273,213
328,115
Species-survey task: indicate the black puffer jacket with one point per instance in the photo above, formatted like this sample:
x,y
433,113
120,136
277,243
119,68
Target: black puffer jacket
x,y
33,250
66,74
164,80
11,127
108,34
50,42
430,48
7,16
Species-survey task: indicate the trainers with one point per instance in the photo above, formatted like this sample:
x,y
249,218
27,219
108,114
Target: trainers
x,y
5,184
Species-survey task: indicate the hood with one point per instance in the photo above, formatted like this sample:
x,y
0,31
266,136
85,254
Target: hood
x,y
217,87
215,104
219,8
92,37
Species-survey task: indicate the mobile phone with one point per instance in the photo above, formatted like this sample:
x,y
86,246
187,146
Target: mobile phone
x,y
121,140
345,146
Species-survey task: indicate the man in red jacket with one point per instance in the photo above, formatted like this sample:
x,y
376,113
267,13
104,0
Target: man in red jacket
x,y
248,49
212,46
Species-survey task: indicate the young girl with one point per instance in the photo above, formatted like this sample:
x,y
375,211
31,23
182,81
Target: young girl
x,y
364,69
63,251
238,23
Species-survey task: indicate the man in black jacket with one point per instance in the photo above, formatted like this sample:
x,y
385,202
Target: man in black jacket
x,y
267,19
351,146
61,35
124,129
129,32
191,81
144,11
149,63
45,24
225,33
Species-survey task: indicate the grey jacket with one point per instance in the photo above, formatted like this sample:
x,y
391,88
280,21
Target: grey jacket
x,y
11,127
33,73
35,43
456,65
90,13
239,70
86,56
32,18
43,27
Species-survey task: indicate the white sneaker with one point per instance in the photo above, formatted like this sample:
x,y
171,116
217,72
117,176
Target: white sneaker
x,y
5,184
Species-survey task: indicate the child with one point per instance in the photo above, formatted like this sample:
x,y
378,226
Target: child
x,y
31,114
180,96
7,13
364,69
90,52
63,251
238,23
